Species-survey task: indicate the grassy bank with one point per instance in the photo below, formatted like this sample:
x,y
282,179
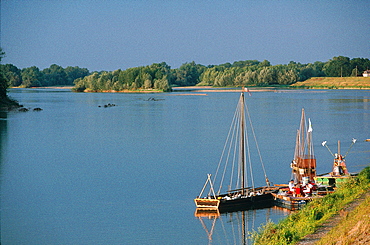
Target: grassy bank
x,y
354,228
334,83
306,221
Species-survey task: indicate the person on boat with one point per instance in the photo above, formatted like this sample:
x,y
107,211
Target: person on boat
x,y
291,186
298,190
308,189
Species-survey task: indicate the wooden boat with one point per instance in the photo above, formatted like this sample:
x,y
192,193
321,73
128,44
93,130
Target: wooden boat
x,y
339,172
303,171
241,197
286,199
304,162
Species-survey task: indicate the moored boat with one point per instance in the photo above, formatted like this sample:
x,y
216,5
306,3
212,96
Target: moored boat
x,y
339,172
242,196
301,188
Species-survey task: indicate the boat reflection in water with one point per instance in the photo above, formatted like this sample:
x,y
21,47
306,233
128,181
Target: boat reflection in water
x,y
236,227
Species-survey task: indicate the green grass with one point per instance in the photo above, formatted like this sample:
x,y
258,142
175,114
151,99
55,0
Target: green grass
x,y
334,83
307,220
355,226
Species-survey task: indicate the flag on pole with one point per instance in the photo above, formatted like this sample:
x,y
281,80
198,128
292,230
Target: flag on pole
x,y
309,126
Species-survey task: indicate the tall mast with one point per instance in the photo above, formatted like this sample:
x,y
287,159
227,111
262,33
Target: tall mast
x,y
302,134
242,143
338,147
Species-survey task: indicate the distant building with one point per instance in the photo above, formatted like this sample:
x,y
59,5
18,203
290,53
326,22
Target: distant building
x,y
366,73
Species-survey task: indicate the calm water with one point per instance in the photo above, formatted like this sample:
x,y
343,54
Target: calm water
x,y
76,173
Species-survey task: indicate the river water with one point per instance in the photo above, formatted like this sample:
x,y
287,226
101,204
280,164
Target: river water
x,y
77,173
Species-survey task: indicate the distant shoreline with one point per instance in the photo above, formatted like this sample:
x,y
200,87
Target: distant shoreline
x,y
312,83
55,87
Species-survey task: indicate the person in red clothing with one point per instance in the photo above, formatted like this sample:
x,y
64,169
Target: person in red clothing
x,y
298,190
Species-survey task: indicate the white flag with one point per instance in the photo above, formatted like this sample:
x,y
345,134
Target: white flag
x,y
309,126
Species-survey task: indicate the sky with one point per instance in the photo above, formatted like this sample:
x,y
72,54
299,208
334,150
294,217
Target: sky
x,y
119,34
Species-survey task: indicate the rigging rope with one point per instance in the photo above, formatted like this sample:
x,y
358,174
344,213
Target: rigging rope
x,y
229,147
255,140
230,134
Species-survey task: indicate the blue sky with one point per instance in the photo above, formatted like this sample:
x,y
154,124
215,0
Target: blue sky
x,y
113,34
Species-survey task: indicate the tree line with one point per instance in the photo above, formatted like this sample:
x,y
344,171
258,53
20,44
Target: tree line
x,y
160,76
5,101
34,77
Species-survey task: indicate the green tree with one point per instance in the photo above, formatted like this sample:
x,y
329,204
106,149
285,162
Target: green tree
x,y
208,77
72,73
3,82
187,75
287,77
54,75
12,74
31,77
264,63
359,65
226,78
338,67
162,84
265,76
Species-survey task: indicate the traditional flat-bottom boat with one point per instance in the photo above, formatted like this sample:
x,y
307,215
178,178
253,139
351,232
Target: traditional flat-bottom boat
x,y
242,197
236,202
242,203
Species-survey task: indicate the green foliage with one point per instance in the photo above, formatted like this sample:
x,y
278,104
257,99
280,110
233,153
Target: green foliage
x,y
73,73
3,81
5,101
12,74
160,76
54,75
3,86
188,74
32,76
307,220
157,76
338,67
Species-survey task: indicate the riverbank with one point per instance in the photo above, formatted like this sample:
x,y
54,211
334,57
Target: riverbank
x,y
351,225
334,83
7,104
312,83
321,214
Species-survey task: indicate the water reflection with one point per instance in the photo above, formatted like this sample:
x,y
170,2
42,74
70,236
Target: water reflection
x,y
236,227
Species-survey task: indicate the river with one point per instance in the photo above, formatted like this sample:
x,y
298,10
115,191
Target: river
x,y
81,173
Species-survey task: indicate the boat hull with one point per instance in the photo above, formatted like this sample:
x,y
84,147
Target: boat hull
x,y
290,202
246,203
329,180
207,203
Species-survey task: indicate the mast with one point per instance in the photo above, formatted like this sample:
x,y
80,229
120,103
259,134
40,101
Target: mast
x,y
304,163
338,147
302,134
242,142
